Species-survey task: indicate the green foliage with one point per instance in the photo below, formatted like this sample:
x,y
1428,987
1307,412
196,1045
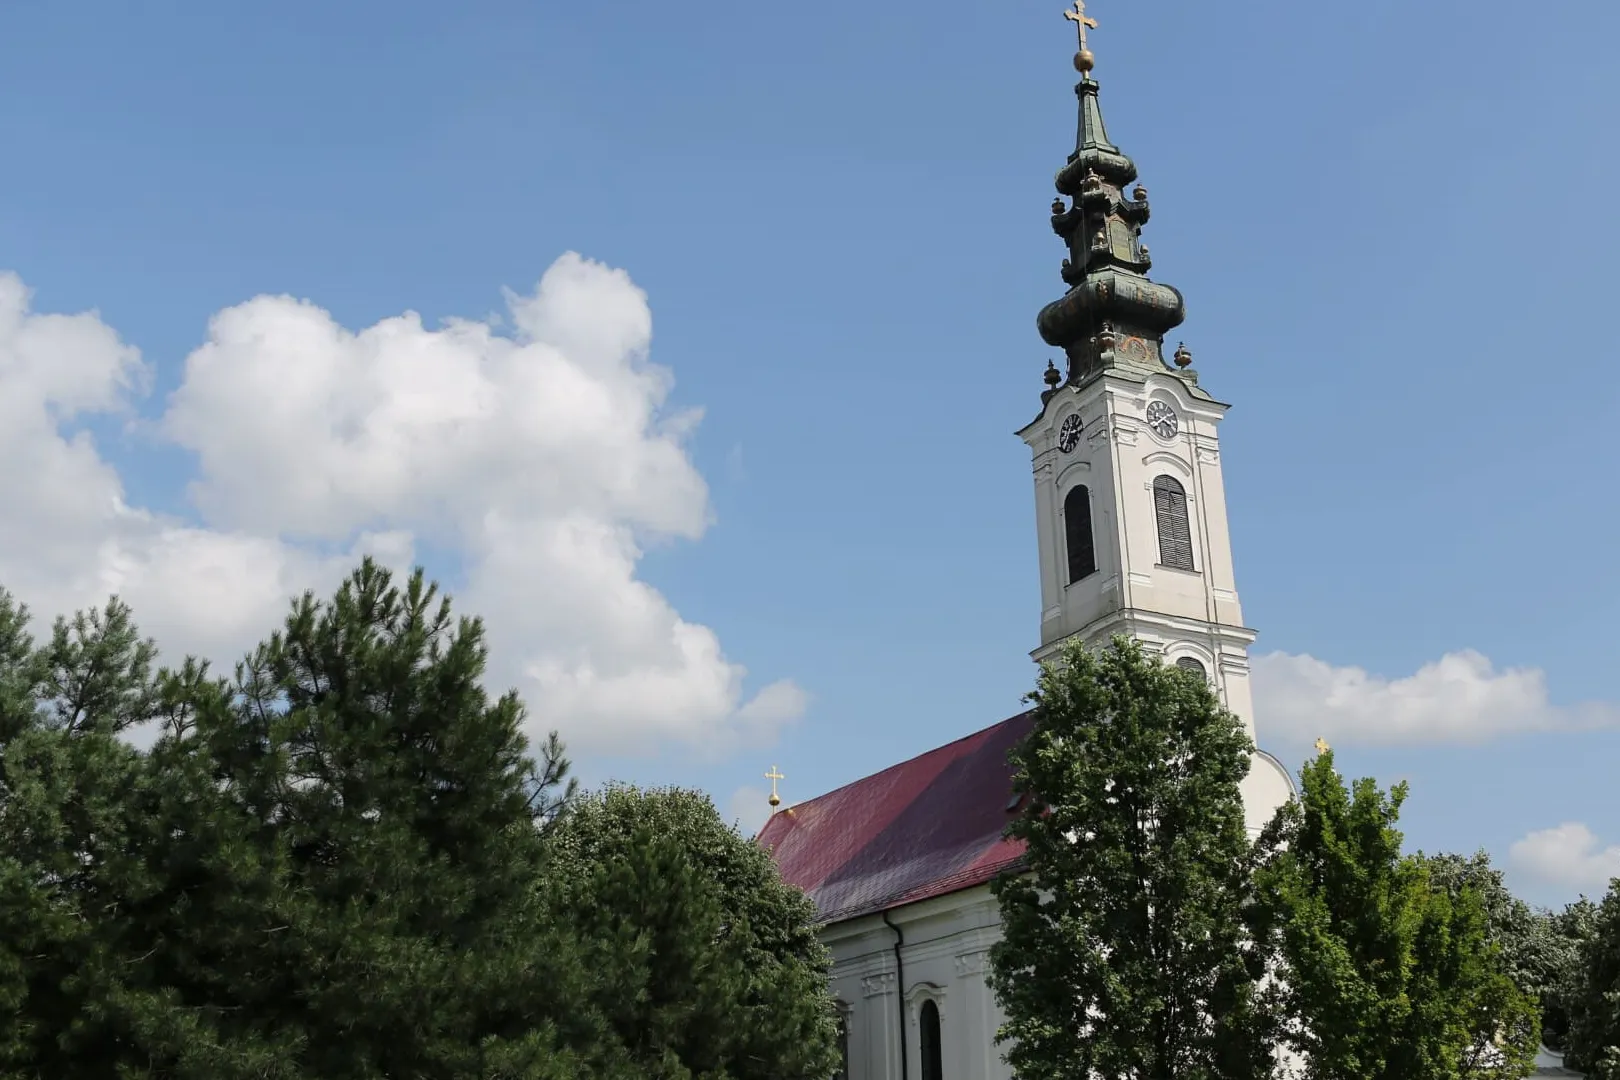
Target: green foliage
x,y
712,965
1592,994
343,862
1539,949
92,911
1387,972
1572,930
404,939
1126,949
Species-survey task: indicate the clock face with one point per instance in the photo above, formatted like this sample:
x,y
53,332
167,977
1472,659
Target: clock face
x,y
1069,433
1162,419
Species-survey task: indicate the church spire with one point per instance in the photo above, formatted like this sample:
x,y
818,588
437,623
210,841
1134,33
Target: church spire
x,y
1112,315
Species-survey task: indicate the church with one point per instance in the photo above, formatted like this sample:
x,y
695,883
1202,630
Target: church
x,y
1131,534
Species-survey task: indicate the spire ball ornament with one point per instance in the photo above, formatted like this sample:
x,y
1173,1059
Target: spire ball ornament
x,y
1052,376
1183,356
773,776
1084,61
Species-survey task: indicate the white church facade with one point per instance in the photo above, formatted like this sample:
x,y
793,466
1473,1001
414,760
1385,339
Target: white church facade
x,y
1132,535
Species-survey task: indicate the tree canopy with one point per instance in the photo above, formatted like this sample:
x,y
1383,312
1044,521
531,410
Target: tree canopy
x,y
1592,993
716,969
344,862
1540,950
1126,949
1387,972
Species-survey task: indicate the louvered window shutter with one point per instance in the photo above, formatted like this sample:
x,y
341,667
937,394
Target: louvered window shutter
x,y
1077,534
1175,536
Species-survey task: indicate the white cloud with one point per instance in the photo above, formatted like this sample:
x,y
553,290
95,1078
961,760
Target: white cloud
x,y
544,458
1569,857
1461,697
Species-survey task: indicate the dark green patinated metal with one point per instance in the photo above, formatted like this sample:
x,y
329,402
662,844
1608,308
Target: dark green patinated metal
x,y
1113,316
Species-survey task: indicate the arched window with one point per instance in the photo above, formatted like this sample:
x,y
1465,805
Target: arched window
x,y
1192,664
933,1059
1077,534
1175,536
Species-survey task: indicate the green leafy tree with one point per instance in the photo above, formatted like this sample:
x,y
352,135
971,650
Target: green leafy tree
x,y
1388,973
1592,994
711,965
1539,948
1127,950
1573,929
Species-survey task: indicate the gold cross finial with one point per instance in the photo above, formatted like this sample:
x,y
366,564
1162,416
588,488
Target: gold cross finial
x,y
773,776
1083,59
1322,747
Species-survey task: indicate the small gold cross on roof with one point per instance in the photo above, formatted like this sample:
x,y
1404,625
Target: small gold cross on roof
x,y
1081,20
773,776
1322,747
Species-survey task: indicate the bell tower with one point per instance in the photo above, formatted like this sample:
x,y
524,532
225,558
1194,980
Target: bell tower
x,y
1130,504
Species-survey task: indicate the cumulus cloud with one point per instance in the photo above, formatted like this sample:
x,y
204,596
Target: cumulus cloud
x,y
1462,697
543,457
1568,857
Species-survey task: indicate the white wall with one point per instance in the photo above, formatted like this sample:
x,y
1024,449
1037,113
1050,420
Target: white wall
x,y
1177,612
945,958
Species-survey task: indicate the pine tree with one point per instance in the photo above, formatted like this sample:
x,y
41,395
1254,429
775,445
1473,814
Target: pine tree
x,y
89,984
1126,950
405,815
327,866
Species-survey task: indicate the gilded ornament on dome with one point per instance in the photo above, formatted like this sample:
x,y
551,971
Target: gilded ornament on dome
x,y
1083,60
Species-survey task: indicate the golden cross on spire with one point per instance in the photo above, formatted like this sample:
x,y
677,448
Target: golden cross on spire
x,y
1083,60
1082,21
1322,747
773,776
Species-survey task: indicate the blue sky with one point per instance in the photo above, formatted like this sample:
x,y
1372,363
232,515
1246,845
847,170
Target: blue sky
x,y
1392,223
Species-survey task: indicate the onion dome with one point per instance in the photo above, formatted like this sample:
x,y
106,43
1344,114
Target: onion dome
x,y
1113,315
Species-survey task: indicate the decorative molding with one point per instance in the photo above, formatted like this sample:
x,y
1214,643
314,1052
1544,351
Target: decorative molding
x,y
1167,457
1125,436
920,993
1208,455
878,985
1064,479
973,963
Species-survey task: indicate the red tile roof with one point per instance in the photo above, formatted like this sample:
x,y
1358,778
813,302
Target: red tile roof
x,y
923,828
